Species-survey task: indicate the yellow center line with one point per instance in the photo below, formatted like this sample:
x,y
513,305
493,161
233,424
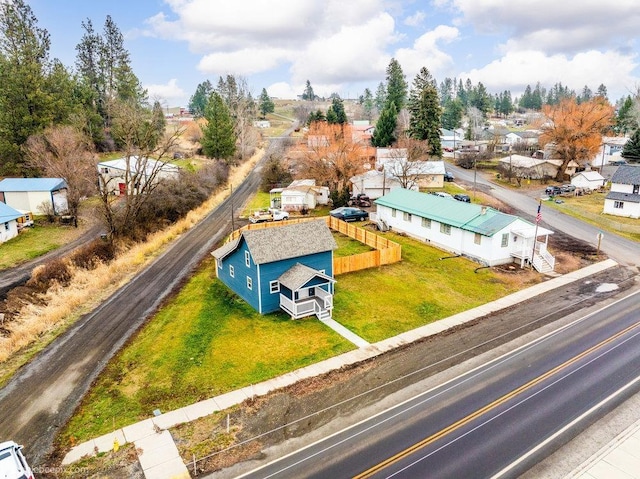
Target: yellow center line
x,y
458,424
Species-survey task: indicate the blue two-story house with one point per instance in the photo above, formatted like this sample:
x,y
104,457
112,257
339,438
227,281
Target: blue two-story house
x,y
287,267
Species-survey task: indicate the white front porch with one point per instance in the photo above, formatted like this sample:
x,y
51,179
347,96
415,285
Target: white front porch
x,y
309,301
532,250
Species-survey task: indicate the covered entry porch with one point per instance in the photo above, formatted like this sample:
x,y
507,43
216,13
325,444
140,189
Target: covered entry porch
x,y
531,246
306,292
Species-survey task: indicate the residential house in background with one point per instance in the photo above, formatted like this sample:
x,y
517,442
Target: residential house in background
x,y
624,197
128,175
300,195
480,233
288,267
37,195
591,180
610,150
528,137
520,166
374,184
8,222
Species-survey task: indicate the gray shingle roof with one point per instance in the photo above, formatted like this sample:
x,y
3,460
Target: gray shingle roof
x,y
298,275
283,242
618,196
627,175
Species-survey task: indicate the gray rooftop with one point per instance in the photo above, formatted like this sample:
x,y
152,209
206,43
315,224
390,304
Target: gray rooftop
x,y
627,175
619,196
299,275
283,242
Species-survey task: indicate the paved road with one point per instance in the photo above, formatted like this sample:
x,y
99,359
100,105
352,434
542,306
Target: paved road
x,y
622,250
41,397
490,421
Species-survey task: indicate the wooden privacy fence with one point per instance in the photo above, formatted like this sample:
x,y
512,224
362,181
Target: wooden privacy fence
x,y
386,251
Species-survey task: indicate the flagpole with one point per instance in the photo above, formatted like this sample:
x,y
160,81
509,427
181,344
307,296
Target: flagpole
x,y
535,234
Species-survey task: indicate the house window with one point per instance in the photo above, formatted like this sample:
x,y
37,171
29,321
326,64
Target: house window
x,y
249,282
618,204
406,216
247,259
232,271
505,240
104,170
445,229
274,287
636,189
477,238
393,212
6,226
426,223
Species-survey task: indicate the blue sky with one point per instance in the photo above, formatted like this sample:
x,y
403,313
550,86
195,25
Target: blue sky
x,y
345,46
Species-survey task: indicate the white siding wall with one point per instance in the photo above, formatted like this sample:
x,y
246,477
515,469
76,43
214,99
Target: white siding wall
x,y
628,210
8,230
490,250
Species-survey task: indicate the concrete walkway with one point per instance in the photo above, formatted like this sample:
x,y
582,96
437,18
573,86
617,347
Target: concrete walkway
x,y
620,459
152,437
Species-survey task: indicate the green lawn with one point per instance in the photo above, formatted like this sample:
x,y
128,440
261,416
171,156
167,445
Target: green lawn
x,y
34,242
588,208
207,341
380,303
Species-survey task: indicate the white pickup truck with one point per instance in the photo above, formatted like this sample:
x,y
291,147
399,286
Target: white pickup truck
x,y
271,214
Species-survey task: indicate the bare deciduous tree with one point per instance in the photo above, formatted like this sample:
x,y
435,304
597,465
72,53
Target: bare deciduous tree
x,y
65,152
405,160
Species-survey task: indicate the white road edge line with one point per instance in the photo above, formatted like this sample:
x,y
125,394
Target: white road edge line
x,y
460,377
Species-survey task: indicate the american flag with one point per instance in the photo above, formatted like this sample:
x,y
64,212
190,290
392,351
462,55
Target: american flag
x,y
539,215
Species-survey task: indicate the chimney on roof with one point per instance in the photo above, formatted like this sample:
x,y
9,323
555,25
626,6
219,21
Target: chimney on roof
x,y
483,210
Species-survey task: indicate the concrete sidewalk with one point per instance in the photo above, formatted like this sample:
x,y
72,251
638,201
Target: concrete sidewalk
x,y
159,457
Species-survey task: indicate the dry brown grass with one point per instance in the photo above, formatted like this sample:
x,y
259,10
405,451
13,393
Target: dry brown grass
x,y
60,306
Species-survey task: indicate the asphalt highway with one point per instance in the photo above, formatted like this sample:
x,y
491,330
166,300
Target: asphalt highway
x,y
495,421
41,397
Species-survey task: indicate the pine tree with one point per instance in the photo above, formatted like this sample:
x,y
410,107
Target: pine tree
x,y
308,93
452,114
381,97
396,85
266,103
631,150
367,104
336,113
424,106
198,101
384,134
218,138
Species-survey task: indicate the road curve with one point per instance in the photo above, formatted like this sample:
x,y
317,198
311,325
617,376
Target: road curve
x,y
42,395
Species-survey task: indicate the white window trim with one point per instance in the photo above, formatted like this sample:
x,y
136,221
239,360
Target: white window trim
x,y
249,283
504,241
247,259
274,286
232,271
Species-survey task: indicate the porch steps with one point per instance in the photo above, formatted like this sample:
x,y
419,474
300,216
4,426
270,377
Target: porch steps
x,y
542,265
323,314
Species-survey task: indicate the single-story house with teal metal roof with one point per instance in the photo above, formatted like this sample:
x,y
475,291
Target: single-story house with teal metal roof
x,y
36,195
480,233
288,267
8,222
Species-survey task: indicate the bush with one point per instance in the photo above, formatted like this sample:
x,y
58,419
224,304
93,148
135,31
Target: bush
x,y
90,255
56,270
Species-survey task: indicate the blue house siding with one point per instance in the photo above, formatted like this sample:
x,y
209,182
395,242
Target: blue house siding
x,y
272,271
238,282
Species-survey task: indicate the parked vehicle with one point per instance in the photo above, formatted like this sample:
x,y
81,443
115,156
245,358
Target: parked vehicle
x,y
272,214
449,176
13,464
441,194
26,220
347,213
463,198
567,188
552,190
360,199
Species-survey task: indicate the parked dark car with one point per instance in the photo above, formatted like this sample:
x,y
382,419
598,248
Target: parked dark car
x,y
347,213
461,197
449,176
552,190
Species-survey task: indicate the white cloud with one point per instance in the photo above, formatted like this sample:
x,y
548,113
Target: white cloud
x,y
426,52
416,19
242,62
169,92
518,69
